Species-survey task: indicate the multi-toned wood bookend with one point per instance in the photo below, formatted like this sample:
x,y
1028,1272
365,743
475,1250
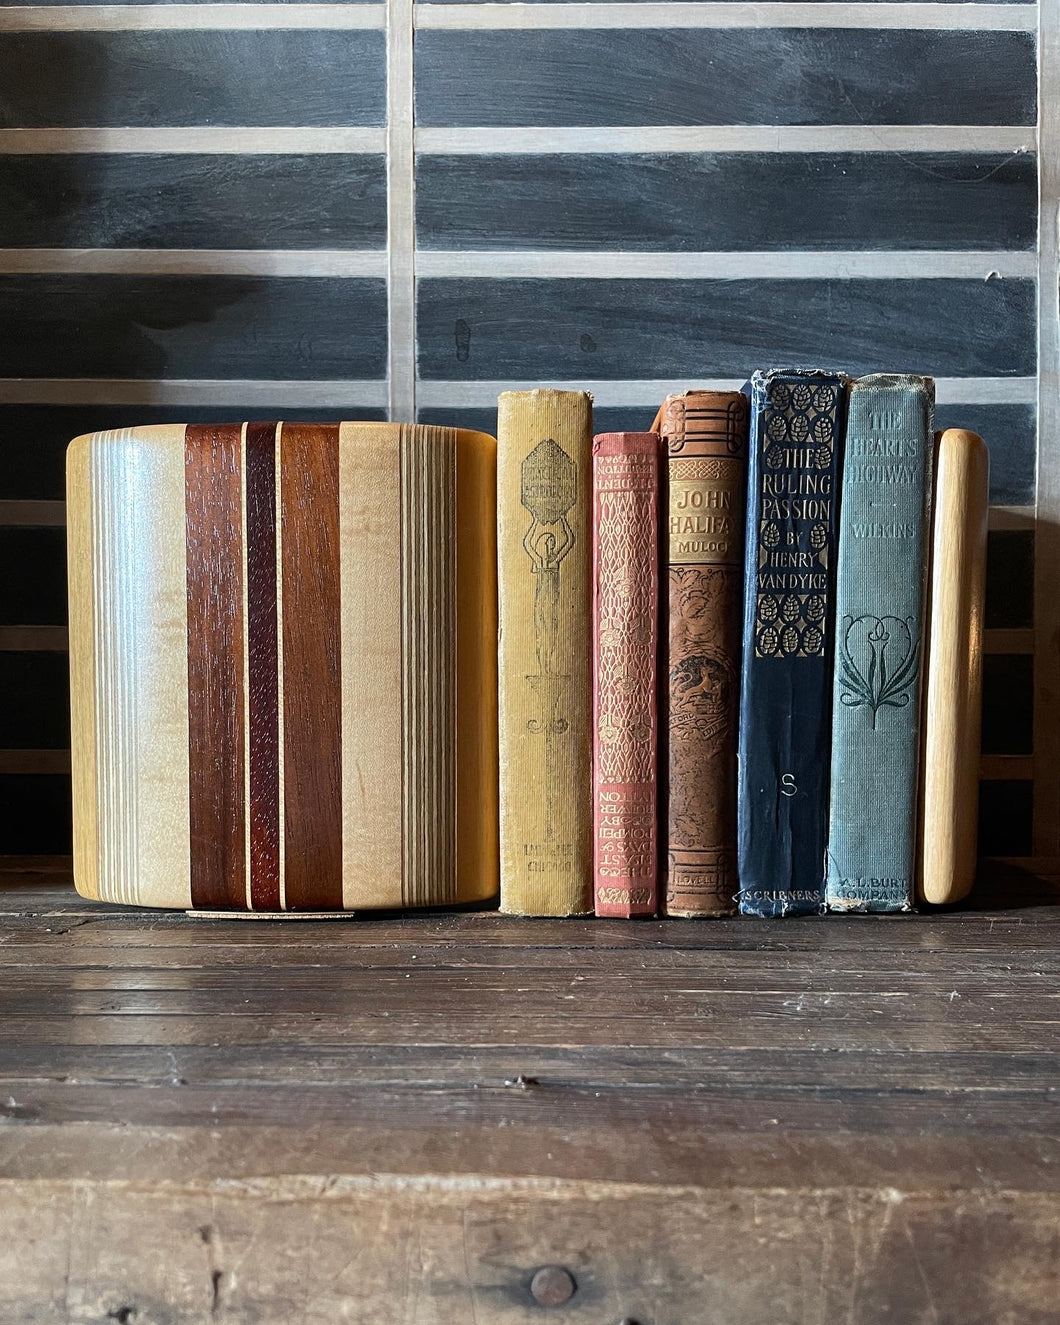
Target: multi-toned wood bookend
x,y
283,652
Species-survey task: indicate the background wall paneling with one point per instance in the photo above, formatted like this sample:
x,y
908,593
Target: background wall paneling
x,y
194,224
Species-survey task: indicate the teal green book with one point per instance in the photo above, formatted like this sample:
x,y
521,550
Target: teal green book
x,y
880,603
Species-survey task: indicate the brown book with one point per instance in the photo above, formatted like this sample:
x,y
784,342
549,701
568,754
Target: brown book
x,y
705,434
625,672
544,535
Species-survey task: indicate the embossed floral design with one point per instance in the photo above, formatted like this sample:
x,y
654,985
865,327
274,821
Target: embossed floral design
x,y
767,609
824,398
789,640
771,535
878,661
814,608
818,537
801,396
800,428
791,608
779,395
812,641
777,428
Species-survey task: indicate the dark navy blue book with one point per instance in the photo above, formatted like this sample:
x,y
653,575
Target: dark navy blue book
x,y
797,424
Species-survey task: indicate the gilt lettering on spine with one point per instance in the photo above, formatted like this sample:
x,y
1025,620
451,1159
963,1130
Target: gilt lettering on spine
x,y
544,490
797,419
625,672
879,651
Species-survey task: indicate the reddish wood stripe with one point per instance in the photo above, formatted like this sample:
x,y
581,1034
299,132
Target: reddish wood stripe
x,y
213,525
263,667
312,696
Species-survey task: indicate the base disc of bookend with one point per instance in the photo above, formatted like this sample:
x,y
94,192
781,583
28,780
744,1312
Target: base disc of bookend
x,y
272,915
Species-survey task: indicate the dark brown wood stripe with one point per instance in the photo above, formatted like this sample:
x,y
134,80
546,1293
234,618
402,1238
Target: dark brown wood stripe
x,y
263,700
312,696
213,516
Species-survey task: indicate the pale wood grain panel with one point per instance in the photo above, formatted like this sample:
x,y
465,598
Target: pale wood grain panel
x,y
79,545
477,860
370,607
952,702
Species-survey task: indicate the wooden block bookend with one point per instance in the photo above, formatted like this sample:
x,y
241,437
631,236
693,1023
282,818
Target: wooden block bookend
x,y
952,713
283,666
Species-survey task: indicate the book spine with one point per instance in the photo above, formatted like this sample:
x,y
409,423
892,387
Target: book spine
x,y
878,651
625,672
785,706
706,441
954,668
544,536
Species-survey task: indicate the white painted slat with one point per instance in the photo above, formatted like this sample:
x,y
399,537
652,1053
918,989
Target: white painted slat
x,y
1047,535
195,139
975,17
188,18
401,214
779,265
194,262
510,264
727,138
285,395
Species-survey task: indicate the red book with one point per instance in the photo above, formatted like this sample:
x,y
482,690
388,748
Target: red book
x,y
626,468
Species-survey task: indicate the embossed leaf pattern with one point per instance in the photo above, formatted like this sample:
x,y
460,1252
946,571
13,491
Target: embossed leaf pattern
x,y
878,662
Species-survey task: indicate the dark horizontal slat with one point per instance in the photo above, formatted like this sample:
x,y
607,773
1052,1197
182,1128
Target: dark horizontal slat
x,y
1005,818
1010,434
168,201
34,701
1010,579
34,813
727,201
1008,704
725,76
194,327
33,582
239,77
33,438
537,329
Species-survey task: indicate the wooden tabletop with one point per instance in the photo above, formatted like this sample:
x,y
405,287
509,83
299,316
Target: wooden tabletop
x,y
404,1118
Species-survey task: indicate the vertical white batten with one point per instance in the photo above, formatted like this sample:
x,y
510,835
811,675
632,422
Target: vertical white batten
x,y
401,214
1047,501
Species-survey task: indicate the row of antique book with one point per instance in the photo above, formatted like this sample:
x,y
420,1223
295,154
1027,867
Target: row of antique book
x,y
771,684
322,667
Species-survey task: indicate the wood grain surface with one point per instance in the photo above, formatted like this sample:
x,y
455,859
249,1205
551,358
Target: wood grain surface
x,y
954,672
765,1123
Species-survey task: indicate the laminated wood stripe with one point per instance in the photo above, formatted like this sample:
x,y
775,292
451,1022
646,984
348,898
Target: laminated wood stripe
x,y
213,512
262,667
428,653
311,681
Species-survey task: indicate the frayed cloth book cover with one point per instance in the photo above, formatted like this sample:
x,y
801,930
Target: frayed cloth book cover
x,y
879,650
705,433
797,419
283,666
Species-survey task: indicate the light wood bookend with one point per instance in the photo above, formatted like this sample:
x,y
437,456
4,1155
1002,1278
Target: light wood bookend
x,y
283,666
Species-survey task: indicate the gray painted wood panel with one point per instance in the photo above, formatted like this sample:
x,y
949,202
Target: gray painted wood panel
x,y
566,329
194,327
725,76
50,79
728,200
134,200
